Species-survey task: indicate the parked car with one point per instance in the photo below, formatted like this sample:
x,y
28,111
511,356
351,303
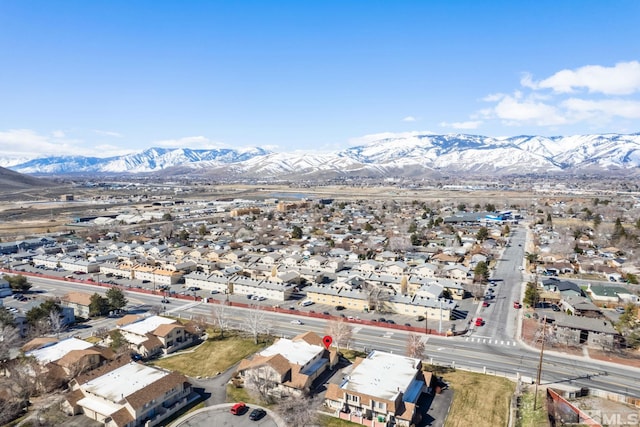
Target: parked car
x,y
239,408
479,321
516,304
257,414
340,307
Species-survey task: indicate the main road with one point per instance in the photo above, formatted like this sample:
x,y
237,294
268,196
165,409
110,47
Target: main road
x,y
493,351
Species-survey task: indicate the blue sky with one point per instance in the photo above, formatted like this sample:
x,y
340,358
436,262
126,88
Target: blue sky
x,y
107,77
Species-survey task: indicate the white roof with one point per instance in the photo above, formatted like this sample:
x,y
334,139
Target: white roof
x,y
382,375
114,386
100,406
299,352
58,350
146,325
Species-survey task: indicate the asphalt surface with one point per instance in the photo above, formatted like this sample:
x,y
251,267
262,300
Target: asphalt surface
x,y
219,416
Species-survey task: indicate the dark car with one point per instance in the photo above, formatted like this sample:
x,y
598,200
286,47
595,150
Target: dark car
x,y
382,319
391,322
339,307
326,313
257,414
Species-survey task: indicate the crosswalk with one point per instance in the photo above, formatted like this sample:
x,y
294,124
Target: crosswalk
x,y
184,307
491,341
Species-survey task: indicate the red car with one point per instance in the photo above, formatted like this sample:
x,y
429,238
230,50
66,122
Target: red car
x,y
239,408
479,321
516,304
485,304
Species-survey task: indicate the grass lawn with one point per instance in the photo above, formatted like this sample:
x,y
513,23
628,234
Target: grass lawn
x,y
200,362
478,400
327,421
352,354
240,394
528,415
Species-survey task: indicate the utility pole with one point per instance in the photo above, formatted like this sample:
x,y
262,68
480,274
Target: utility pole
x,y
426,328
440,323
535,397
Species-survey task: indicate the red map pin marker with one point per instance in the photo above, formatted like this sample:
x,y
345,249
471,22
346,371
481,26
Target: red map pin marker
x,y
327,340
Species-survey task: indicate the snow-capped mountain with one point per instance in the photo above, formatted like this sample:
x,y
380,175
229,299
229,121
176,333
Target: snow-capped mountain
x,y
150,160
414,156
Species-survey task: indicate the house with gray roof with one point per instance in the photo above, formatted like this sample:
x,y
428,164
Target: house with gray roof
x,y
578,330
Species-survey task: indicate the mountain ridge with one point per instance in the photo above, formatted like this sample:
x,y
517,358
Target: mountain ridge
x,y
409,156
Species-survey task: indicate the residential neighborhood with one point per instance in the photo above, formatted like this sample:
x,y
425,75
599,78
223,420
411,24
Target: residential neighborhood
x,y
401,266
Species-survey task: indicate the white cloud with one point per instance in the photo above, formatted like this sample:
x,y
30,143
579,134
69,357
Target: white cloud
x,y
409,119
368,139
108,133
621,79
470,124
26,143
200,142
584,108
515,110
494,97
608,93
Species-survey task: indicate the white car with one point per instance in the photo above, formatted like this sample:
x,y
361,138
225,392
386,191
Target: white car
x,y
296,322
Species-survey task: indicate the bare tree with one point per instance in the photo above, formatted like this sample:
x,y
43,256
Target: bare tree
x,y
101,332
340,331
377,297
263,381
220,318
256,324
9,337
156,309
415,346
400,244
476,289
201,322
299,411
56,322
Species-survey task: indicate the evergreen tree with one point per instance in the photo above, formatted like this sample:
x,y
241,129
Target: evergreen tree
x,y
99,306
482,234
481,272
116,299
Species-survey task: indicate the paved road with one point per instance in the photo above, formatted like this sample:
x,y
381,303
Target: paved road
x,y
497,351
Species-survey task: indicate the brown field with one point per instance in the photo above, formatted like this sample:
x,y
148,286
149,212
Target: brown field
x,y
478,400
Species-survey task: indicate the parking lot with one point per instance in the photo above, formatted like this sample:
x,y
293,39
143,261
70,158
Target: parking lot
x,y
220,416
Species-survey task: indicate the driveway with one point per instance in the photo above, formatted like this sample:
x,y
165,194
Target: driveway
x,y
214,389
434,408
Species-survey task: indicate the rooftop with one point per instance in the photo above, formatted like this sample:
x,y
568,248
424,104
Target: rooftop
x,y
58,350
295,351
382,375
123,381
146,325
